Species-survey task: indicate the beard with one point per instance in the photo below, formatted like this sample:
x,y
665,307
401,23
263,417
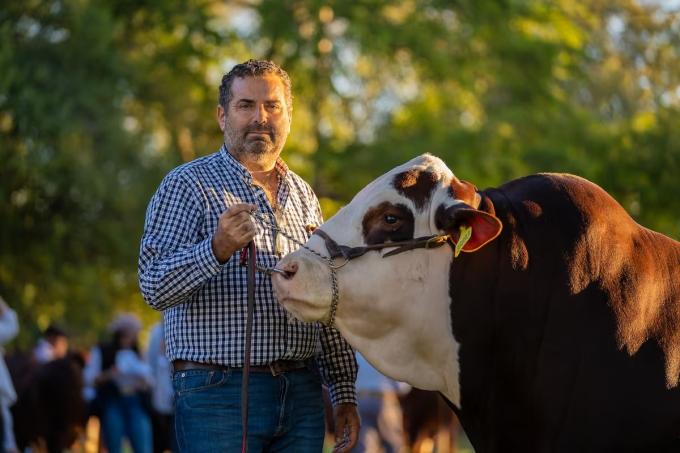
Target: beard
x,y
265,145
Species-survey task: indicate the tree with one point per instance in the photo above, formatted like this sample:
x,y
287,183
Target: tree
x,y
98,100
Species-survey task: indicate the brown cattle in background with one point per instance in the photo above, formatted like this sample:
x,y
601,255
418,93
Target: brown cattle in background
x,y
50,411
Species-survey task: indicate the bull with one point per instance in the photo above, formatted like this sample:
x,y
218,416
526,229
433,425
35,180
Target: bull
x,y
550,324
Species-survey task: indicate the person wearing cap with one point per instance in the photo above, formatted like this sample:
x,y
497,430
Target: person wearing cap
x,y
120,378
189,267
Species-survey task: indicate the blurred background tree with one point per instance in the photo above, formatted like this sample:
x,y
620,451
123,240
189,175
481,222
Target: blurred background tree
x,y
99,99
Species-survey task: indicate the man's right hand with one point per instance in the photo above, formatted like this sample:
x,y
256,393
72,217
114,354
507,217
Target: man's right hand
x,y
234,230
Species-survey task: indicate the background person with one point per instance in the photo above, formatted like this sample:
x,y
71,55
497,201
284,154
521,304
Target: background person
x,y
9,327
121,380
382,427
162,395
52,345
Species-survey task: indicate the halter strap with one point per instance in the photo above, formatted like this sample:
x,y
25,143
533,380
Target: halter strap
x,y
349,253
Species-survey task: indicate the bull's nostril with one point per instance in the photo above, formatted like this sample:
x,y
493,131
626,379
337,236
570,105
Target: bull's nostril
x,y
290,268
287,270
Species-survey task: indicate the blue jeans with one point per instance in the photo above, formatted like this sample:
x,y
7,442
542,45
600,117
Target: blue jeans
x,y
126,416
285,412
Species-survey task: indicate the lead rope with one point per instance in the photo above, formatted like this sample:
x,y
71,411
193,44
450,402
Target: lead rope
x,y
249,333
335,289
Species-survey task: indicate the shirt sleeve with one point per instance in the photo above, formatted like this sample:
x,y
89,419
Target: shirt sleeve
x,y
338,366
337,363
174,262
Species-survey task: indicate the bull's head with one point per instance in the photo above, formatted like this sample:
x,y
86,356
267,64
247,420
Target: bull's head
x,y
394,309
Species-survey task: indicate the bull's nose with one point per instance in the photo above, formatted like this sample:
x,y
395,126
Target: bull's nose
x,y
290,267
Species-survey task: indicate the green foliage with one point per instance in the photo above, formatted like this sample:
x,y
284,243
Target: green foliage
x,y
99,99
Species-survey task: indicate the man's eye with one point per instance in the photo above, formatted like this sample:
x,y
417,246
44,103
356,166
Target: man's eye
x,y
390,219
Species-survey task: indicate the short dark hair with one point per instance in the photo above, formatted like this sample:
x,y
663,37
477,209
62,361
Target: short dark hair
x,y
254,68
54,331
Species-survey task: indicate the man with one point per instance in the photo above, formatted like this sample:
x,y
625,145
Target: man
x,y
196,225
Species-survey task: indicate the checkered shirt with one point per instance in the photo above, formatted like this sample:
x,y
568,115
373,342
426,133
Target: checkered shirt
x,y
205,302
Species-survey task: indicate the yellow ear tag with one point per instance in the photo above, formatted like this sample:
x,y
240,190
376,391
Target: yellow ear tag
x,y
465,235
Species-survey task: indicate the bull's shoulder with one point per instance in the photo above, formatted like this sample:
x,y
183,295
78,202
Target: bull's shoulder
x,y
566,219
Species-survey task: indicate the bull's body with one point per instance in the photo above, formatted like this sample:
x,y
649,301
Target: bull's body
x,y
561,334
563,321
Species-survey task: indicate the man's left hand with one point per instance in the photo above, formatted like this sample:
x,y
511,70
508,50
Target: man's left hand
x,y
346,427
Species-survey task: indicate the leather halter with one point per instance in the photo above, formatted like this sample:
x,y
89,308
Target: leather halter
x,y
349,253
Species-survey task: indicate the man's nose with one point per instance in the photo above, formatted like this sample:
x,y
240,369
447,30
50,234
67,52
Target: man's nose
x,y
261,115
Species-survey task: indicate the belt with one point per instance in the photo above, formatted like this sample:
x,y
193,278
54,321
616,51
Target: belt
x,y
275,368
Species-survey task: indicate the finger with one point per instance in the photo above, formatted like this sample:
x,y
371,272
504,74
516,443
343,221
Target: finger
x,y
353,434
236,220
238,208
246,237
244,227
339,427
342,446
237,223
341,437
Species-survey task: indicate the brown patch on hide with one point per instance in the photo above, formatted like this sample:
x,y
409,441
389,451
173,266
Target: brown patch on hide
x,y
416,185
464,191
533,209
388,222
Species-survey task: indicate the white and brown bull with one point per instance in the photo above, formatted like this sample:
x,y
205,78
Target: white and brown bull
x,y
556,330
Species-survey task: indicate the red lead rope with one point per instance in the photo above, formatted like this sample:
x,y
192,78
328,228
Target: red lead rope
x,y
248,253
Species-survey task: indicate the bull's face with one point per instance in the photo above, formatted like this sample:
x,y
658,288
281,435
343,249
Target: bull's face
x,y
419,198
389,297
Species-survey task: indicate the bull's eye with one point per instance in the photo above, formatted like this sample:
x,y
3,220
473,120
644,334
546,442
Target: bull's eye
x,y
391,219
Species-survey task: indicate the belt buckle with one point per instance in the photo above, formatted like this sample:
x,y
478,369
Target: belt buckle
x,y
276,368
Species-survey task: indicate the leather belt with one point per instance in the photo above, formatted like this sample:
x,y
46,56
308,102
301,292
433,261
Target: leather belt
x,y
275,368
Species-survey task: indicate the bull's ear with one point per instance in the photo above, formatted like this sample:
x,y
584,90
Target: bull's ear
x,y
485,227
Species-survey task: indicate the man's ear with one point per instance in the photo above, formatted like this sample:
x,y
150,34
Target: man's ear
x,y
485,227
221,116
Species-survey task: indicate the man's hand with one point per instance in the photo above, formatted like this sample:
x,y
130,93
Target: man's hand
x,y
234,230
346,427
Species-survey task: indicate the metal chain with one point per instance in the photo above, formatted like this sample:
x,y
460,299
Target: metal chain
x,y
259,217
335,289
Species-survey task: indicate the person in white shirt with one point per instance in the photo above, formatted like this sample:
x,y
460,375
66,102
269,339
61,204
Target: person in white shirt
x,y
121,379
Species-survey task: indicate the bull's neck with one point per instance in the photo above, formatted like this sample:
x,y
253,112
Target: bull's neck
x,y
415,344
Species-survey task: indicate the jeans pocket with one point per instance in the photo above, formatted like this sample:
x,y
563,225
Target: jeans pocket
x,y
192,381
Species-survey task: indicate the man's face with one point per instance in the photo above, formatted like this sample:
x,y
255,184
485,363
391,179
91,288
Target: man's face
x,y
257,122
